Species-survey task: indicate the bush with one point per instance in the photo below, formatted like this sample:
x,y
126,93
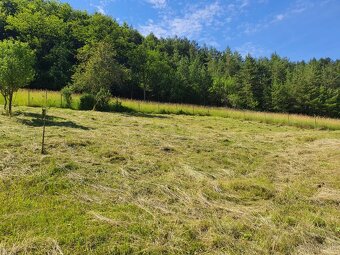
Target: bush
x,y
87,102
164,112
102,100
117,106
98,102
67,95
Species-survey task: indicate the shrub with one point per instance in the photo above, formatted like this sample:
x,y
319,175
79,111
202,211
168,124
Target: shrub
x,y
117,106
87,102
164,112
102,100
67,95
181,112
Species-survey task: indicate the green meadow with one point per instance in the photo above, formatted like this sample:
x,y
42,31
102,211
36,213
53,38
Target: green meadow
x,y
139,182
39,98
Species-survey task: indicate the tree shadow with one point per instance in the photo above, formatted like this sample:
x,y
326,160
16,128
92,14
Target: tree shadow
x,y
50,121
145,115
37,115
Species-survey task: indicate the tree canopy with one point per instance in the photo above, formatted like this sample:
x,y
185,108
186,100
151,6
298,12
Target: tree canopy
x,y
98,72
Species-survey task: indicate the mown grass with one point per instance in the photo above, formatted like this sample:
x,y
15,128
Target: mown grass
x,y
131,183
54,99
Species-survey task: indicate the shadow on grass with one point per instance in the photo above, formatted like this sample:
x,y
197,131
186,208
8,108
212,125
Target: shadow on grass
x,y
145,115
37,121
119,108
36,115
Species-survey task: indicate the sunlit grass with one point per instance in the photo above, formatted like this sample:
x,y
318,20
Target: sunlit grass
x,y
130,183
38,98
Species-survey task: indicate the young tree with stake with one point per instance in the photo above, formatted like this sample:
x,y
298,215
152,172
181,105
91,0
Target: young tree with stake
x,y
99,72
16,69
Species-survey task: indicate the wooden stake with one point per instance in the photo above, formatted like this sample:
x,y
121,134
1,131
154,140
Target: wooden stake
x,y
43,134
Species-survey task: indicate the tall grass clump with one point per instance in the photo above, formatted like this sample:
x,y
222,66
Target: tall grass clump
x,y
66,93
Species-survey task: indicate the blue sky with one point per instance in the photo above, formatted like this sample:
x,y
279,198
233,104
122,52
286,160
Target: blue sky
x,y
297,29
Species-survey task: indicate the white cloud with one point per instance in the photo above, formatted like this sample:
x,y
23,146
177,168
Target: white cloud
x,y
158,3
279,17
101,6
156,29
189,25
298,7
243,3
252,49
100,9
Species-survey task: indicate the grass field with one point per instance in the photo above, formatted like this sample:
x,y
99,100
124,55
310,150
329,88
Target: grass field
x,y
140,183
54,99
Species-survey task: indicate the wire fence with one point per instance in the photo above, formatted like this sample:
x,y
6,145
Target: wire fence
x,y
43,98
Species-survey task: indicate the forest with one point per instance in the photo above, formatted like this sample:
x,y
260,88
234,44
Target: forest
x,y
71,45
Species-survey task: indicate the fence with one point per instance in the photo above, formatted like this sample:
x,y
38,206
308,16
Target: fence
x,y
39,98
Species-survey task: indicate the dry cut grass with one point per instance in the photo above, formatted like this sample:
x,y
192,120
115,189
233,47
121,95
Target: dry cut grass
x,y
166,184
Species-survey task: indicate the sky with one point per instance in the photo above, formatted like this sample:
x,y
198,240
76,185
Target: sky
x,y
297,29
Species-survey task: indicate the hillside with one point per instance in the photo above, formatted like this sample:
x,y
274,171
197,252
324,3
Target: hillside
x,y
166,184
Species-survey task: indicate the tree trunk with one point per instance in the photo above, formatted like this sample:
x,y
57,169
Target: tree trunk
x,y
10,100
144,94
95,106
5,103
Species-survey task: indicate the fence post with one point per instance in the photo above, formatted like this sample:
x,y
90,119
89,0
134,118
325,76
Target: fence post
x,y
61,100
28,98
46,98
288,119
314,121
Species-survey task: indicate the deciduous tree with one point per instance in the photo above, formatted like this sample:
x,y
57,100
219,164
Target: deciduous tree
x,y
16,69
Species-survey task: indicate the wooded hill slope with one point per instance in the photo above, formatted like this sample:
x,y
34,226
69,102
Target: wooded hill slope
x,y
171,70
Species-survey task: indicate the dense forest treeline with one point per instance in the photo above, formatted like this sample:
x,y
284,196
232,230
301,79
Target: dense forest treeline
x,y
67,41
